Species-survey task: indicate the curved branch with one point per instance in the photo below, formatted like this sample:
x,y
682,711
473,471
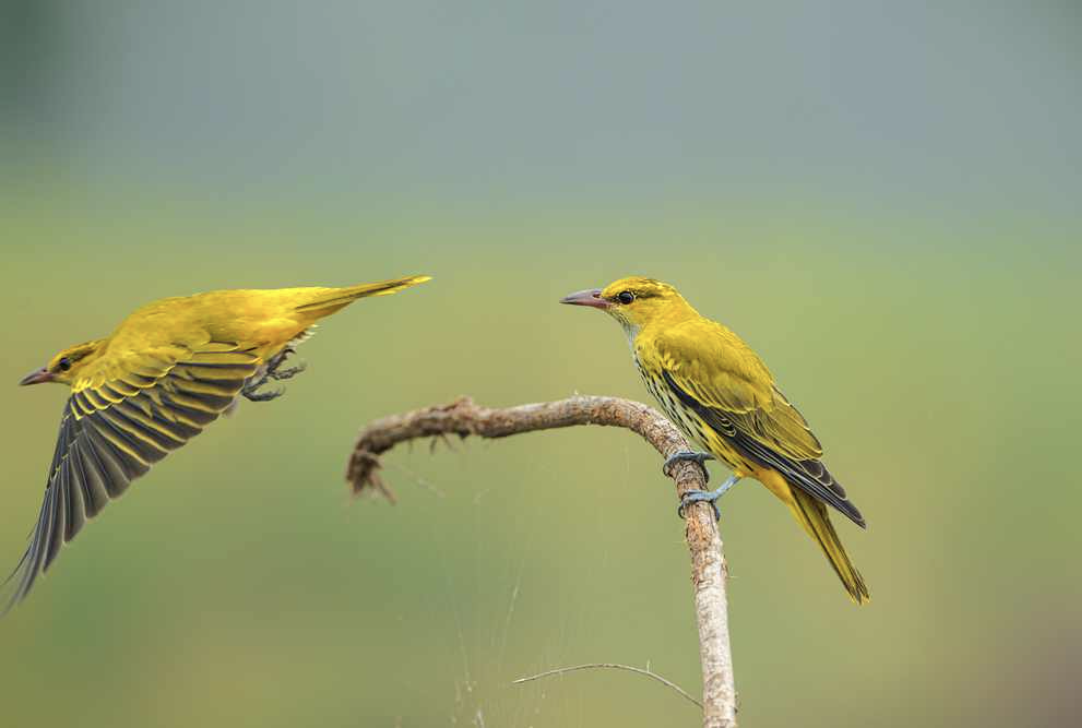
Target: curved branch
x,y
708,570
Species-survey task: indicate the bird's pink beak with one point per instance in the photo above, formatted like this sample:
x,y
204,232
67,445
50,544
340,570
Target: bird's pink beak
x,y
591,297
39,376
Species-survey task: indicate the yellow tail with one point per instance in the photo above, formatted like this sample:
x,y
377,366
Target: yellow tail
x,y
328,300
813,516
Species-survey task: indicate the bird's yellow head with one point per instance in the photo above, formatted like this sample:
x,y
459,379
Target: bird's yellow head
x,y
635,302
65,366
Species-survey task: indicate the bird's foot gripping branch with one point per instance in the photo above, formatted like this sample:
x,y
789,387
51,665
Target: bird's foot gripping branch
x,y
708,571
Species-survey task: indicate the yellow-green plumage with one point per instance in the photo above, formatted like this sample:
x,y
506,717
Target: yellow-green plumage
x,y
169,370
721,395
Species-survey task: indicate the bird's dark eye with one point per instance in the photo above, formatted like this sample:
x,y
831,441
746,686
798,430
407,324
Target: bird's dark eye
x,y
65,364
625,297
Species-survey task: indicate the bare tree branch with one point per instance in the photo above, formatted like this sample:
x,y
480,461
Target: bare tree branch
x,y
610,666
708,569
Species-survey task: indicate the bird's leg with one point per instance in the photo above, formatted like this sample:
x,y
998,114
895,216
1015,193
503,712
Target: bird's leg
x,y
279,375
253,396
708,496
272,370
689,456
251,388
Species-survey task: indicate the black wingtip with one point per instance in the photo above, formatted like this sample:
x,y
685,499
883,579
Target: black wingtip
x,y
853,514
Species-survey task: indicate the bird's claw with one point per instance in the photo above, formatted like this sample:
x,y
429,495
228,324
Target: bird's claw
x,y
279,375
253,396
707,496
699,496
687,456
278,360
273,371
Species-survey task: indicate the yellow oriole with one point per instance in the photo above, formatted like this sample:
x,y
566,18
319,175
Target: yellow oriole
x,y
721,395
169,370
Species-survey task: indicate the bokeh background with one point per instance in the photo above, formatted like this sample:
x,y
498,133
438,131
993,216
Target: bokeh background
x,y
882,197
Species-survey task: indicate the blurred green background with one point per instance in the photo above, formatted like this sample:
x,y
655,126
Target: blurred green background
x,y
882,198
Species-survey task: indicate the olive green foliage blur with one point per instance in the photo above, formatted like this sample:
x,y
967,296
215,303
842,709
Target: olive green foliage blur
x,y
238,581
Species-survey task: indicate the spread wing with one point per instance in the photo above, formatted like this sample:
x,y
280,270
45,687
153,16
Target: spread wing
x,y
123,417
717,375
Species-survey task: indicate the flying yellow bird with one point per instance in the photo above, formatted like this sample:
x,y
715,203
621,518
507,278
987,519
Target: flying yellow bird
x,y
169,370
721,395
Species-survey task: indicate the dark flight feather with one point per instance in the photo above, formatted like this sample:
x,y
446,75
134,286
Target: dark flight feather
x,y
113,433
811,476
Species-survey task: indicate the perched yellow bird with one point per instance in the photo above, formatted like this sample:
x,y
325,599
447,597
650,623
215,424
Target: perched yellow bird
x,y
169,370
721,395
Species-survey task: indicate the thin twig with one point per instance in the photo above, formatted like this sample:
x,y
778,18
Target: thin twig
x,y
610,666
708,570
